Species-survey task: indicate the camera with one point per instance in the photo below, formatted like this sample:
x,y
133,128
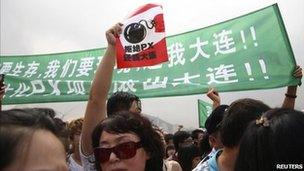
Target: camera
x,y
1,81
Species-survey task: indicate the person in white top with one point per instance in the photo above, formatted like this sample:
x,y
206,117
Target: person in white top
x,y
73,164
74,160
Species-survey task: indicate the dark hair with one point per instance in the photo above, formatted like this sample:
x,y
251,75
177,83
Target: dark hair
x,y
61,126
17,127
168,137
237,118
196,132
204,146
179,137
185,156
126,122
120,101
277,139
38,118
215,119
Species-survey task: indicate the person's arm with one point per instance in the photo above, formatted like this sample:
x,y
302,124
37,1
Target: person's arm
x,y
180,127
96,106
215,97
291,94
175,166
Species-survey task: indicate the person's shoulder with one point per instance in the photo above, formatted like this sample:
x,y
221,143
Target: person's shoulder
x,y
211,163
204,165
173,165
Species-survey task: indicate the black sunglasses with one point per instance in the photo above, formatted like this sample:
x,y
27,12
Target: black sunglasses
x,y
122,151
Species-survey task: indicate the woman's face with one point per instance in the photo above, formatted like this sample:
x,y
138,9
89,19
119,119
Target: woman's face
x,y
75,143
136,163
196,161
170,152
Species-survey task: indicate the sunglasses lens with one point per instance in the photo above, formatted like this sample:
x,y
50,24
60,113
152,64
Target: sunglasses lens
x,y
126,150
102,154
122,151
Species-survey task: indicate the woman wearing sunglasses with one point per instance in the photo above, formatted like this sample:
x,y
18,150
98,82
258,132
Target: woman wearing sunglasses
x,y
127,141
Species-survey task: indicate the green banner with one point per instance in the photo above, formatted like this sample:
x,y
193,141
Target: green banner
x,y
204,110
248,52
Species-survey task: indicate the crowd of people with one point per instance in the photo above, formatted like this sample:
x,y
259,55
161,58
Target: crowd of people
x,y
113,135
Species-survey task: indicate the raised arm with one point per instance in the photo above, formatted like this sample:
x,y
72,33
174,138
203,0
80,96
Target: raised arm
x,y
96,106
215,97
291,94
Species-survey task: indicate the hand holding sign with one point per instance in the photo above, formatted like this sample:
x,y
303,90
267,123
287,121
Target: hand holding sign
x,y
113,33
143,40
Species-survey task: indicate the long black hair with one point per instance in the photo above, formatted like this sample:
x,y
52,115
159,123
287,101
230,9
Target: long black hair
x,y
277,138
186,155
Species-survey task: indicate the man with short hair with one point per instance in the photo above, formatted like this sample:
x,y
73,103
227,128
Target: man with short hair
x,y
120,101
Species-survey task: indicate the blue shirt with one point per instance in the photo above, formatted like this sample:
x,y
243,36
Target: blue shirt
x,y
210,164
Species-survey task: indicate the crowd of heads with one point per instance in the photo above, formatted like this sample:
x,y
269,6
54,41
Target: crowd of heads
x,y
265,137
250,125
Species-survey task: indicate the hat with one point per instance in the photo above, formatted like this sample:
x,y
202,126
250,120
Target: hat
x,y
214,120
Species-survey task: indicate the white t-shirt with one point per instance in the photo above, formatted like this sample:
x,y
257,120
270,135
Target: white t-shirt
x,y
73,165
88,162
